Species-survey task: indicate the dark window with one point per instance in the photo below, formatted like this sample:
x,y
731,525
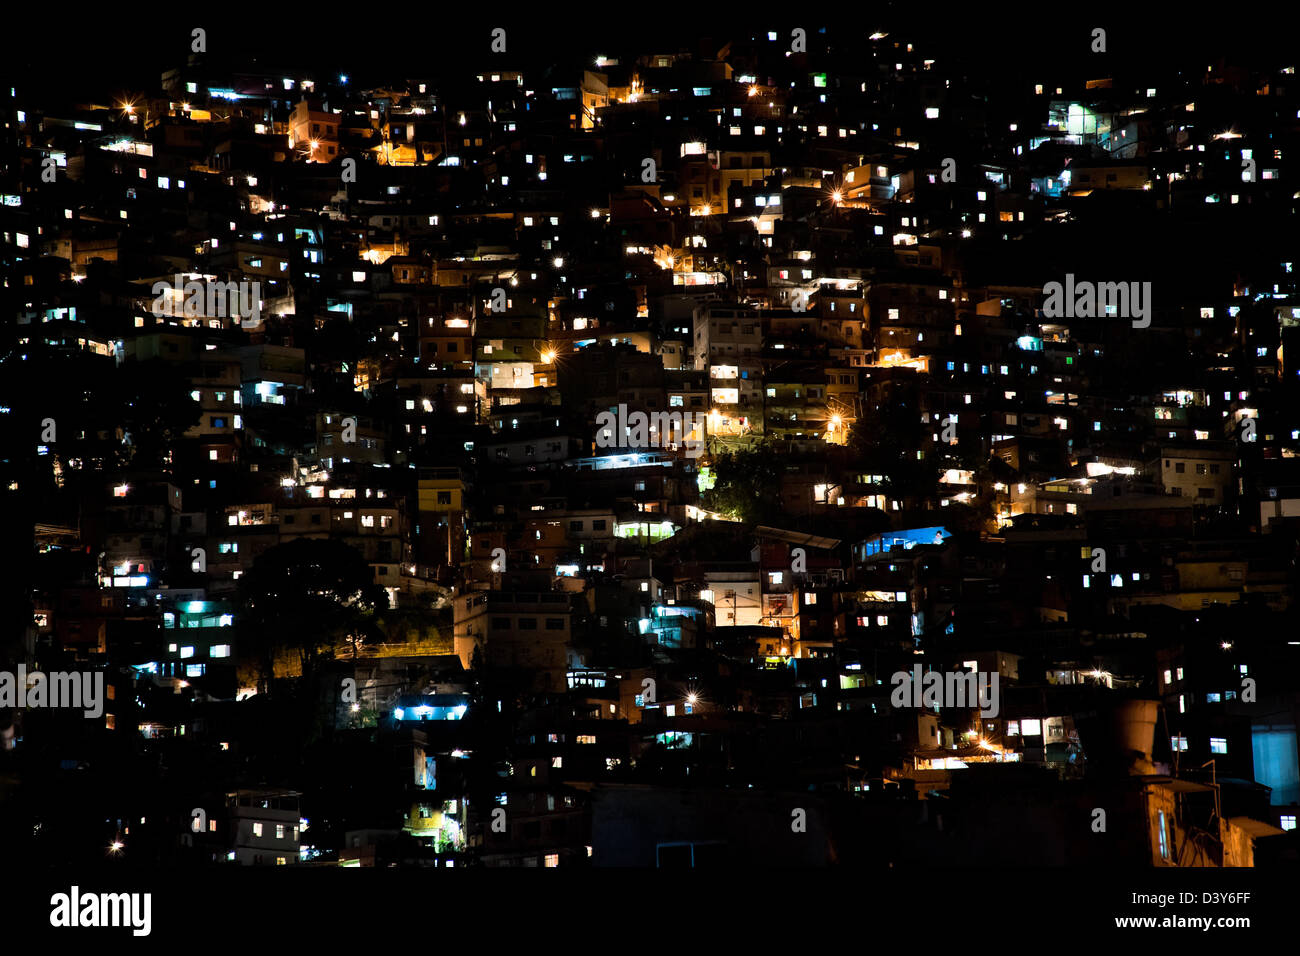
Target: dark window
x,y
674,857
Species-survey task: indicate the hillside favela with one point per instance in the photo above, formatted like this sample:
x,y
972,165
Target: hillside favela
x,y
780,445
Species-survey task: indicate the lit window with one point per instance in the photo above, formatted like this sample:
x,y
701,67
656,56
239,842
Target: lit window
x,y
257,829
1218,745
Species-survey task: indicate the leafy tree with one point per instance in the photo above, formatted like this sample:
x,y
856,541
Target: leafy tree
x,y
305,596
748,485
884,441
155,409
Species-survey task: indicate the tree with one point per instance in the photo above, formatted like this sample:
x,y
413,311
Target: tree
x,y
306,595
748,484
153,409
885,440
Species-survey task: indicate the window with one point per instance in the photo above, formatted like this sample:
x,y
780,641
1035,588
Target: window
x,y
1287,822
555,623
279,831
528,624
257,829
1218,745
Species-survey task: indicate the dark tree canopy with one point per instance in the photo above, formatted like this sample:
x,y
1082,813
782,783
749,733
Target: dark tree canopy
x,y
308,593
